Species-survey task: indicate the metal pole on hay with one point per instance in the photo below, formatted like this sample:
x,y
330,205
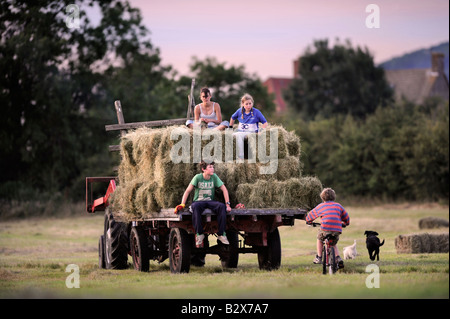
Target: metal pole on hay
x,y
191,102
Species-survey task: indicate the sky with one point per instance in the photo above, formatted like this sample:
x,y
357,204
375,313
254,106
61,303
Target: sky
x,y
266,36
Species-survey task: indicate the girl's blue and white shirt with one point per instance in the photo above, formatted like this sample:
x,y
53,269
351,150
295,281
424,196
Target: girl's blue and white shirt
x,y
250,121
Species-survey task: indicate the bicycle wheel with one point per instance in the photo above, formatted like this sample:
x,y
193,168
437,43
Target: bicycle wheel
x,y
332,261
324,259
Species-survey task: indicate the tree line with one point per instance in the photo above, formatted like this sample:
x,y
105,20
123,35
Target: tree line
x,y
59,84
399,152
357,138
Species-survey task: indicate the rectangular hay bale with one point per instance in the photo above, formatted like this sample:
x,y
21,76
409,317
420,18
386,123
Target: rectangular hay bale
x,y
422,243
303,192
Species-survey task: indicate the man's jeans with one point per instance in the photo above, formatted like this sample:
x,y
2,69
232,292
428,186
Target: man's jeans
x,y
217,207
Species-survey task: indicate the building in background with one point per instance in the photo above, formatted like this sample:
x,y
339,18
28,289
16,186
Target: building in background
x,y
276,86
415,85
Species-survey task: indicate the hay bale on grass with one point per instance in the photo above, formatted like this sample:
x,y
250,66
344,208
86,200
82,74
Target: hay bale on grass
x,y
422,243
432,222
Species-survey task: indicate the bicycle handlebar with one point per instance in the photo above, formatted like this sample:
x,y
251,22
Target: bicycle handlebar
x,y
313,224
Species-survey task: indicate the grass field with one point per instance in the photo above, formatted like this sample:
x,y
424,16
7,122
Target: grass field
x,y
34,254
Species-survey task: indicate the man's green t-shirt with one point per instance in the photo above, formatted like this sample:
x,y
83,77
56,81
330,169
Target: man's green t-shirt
x,y
205,188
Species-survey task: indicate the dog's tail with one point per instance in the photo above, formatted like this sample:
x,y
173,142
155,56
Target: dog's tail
x,y
382,243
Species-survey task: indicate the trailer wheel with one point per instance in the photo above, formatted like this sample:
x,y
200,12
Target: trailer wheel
x,y
231,260
179,251
139,249
269,258
116,246
101,252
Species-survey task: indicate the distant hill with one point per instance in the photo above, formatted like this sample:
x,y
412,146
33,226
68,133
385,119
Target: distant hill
x,y
420,59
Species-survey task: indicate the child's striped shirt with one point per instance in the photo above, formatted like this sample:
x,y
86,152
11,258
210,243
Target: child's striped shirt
x,y
332,215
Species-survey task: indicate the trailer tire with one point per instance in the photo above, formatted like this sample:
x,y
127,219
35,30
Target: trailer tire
x,y
231,261
179,251
269,258
116,243
139,249
101,252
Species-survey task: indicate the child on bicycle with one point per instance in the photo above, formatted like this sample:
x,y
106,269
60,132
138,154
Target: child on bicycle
x,y
333,216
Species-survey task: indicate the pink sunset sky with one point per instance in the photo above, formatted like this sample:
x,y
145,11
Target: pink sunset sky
x,y
267,35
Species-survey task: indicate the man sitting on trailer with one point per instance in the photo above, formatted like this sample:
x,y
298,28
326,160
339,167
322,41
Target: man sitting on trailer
x,y
205,184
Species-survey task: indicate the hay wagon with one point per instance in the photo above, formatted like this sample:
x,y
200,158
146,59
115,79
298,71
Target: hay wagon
x,y
167,235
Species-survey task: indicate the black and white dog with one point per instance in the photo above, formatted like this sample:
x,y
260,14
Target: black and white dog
x,y
373,244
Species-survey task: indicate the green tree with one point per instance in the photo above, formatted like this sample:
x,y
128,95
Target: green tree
x,y
400,152
408,152
144,88
425,163
337,80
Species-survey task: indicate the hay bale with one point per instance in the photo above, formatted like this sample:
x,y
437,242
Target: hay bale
x,y
422,243
289,167
124,197
303,192
145,200
293,144
306,192
285,143
235,174
138,150
232,174
143,146
127,168
126,148
432,222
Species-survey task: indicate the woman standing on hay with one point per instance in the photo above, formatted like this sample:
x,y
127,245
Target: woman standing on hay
x,y
248,118
205,185
208,112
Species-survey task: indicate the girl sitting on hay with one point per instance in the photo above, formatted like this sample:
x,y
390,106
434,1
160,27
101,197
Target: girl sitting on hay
x,y
248,118
208,112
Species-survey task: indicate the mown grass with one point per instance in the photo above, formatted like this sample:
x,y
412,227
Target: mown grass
x,y
35,252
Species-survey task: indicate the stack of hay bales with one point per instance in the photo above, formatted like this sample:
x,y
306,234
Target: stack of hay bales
x,y
151,176
422,243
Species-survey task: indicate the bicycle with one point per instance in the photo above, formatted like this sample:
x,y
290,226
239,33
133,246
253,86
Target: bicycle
x,y
328,253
